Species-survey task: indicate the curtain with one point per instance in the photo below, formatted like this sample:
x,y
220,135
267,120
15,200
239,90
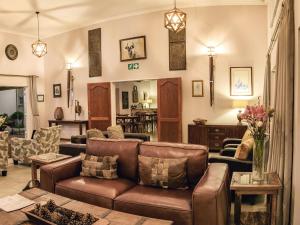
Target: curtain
x,y
33,102
281,146
267,84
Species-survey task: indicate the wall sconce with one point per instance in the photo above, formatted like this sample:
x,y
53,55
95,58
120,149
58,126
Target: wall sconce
x,y
70,84
211,54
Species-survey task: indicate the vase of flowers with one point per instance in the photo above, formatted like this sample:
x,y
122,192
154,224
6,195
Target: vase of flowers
x,y
257,118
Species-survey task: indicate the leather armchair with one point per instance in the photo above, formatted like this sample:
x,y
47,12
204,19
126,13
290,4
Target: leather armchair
x,y
3,152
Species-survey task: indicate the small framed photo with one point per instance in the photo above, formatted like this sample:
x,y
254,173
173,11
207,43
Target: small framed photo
x,y
241,81
40,98
197,88
133,48
56,90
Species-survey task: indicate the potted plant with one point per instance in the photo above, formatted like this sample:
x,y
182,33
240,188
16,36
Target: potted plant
x,y
257,118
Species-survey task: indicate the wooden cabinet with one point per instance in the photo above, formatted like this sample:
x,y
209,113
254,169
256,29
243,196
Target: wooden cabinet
x,y
213,135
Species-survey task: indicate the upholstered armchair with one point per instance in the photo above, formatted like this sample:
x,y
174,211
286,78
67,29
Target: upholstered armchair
x,y
3,152
44,141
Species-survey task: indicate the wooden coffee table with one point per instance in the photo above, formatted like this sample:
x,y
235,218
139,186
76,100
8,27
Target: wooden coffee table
x,y
114,217
243,184
41,160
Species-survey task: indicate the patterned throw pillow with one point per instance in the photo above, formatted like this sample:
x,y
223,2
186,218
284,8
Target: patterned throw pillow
x,y
244,149
99,166
115,132
94,133
165,173
247,135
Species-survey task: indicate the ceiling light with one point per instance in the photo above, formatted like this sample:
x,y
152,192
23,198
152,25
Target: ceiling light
x,y
39,48
175,19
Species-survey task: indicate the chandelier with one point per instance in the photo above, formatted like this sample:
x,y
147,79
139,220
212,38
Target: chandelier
x,y
175,19
39,48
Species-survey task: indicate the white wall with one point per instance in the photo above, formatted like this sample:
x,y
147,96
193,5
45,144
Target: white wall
x,y
25,64
238,32
8,103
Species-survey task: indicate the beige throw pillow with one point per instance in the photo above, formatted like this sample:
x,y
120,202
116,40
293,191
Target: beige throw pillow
x,y
165,173
247,135
115,132
99,166
244,149
94,133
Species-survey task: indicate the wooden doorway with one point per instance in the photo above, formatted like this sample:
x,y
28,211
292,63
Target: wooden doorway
x,y
99,104
169,102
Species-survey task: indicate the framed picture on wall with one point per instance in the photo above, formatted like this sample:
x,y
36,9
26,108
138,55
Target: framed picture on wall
x,y
40,98
133,48
241,81
197,88
56,90
125,100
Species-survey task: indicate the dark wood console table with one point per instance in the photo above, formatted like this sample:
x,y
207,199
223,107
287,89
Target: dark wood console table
x,y
71,122
213,135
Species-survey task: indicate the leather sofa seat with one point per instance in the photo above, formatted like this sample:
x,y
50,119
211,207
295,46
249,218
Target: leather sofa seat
x,y
160,203
98,192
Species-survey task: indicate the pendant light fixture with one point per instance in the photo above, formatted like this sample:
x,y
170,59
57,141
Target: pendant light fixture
x,y
39,48
175,19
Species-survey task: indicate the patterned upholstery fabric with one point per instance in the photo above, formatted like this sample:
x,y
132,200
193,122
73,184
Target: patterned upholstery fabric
x,y
44,141
165,173
3,151
94,133
115,132
244,149
99,166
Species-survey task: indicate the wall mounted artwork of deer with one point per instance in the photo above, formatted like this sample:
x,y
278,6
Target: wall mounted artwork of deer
x,y
133,48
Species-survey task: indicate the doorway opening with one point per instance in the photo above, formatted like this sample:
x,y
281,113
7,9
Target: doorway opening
x,y
136,106
12,111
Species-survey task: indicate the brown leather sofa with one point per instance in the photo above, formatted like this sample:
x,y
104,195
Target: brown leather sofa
x,y
206,202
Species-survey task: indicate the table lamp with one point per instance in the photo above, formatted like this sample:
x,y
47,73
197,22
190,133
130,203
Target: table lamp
x,y
240,105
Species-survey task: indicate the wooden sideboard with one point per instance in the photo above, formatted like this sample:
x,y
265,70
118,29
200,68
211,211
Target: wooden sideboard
x,y
213,135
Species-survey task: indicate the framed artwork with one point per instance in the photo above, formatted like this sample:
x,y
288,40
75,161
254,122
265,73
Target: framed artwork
x,y
133,48
40,98
241,81
197,88
125,100
56,90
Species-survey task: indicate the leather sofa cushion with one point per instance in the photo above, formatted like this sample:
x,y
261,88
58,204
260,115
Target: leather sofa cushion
x,y
127,150
98,192
197,156
169,204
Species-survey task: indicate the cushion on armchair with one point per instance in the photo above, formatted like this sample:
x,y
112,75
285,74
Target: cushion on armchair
x,y
94,133
244,149
115,132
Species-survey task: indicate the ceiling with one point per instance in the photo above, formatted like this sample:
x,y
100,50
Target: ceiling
x,y
58,16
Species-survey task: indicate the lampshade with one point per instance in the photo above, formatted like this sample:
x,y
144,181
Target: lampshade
x,y
239,104
39,48
149,101
175,20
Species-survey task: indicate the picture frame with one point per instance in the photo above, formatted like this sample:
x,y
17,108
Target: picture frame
x,y
241,81
133,48
125,100
40,98
197,88
56,90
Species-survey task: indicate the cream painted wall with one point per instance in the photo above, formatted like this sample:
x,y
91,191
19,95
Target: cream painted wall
x,y
238,32
25,64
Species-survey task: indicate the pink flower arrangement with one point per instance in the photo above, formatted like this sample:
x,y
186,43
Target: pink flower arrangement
x,y
257,119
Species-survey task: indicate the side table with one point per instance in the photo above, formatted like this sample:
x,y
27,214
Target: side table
x,y
243,184
40,160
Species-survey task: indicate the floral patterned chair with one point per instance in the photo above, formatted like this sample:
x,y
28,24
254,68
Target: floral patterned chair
x,y
3,152
44,141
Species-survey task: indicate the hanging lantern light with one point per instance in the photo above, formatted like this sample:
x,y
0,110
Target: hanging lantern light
x,y
39,48
175,19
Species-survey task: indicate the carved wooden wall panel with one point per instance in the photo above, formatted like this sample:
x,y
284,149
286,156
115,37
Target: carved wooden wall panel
x,y
95,56
177,50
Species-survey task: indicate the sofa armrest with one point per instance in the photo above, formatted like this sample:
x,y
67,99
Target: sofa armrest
x,y
55,172
211,200
227,141
228,152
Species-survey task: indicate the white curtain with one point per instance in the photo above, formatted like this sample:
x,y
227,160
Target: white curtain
x,y
281,146
33,102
